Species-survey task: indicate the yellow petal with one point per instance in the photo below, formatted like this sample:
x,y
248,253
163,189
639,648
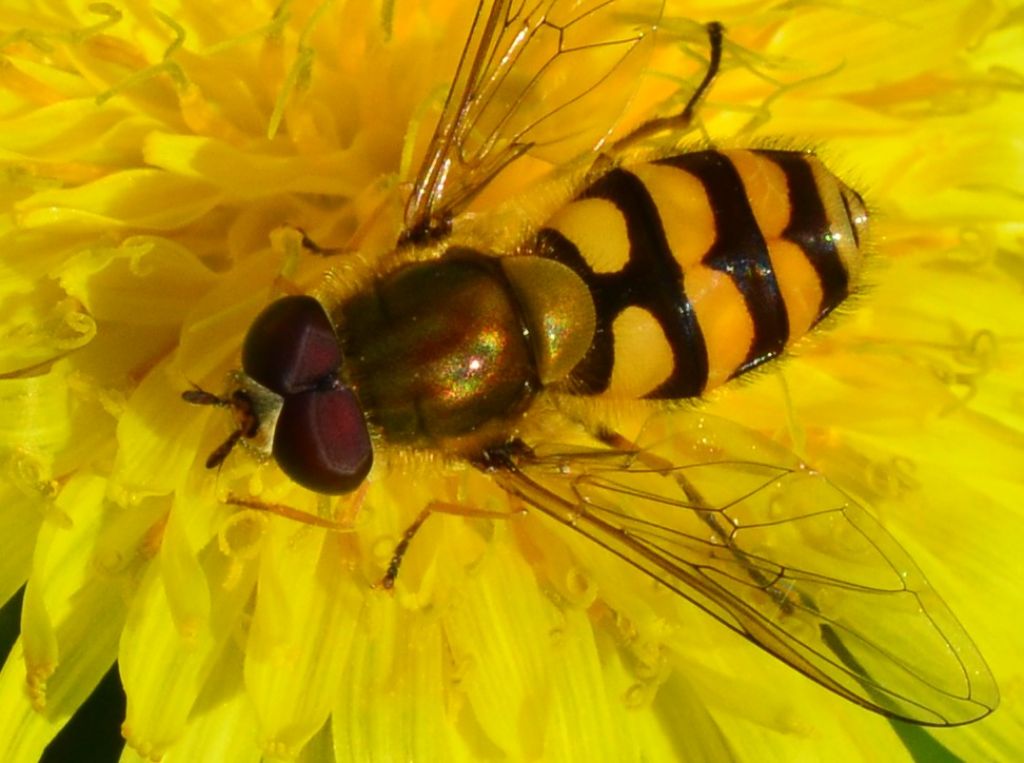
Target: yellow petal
x,y
158,442
587,705
302,628
19,522
223,726
25,731
500,630
140,199
144,280
71,618
165,670
248,175
392,704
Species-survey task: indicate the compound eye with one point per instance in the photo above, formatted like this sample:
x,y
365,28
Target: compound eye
x,y
291,346
321,440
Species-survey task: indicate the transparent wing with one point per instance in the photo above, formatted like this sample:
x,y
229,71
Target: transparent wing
x,y
546,76
770,548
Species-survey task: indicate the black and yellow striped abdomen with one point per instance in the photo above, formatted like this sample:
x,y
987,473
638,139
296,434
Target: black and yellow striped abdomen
x,y
704,265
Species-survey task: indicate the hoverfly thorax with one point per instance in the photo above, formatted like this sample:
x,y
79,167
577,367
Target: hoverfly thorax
x,y
455,377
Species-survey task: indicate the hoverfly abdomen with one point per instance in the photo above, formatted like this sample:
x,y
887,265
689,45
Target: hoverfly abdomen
x,y
704,265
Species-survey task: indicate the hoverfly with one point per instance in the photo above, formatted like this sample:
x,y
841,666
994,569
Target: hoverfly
x,y
659,279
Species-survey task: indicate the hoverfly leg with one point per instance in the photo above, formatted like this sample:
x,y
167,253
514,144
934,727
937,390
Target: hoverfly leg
x,y
292,242
220,453
388,581
295,515
426,234
199,396
682,120
376,210
441,507
314,248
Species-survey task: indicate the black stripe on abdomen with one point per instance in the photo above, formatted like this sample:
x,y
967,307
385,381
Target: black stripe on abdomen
x,y
810,229
651,279
740,251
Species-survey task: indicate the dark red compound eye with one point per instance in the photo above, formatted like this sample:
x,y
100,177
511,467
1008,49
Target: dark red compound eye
x,y
321,440
291,346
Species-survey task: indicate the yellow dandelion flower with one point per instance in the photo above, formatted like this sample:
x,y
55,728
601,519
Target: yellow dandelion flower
x,y
162,163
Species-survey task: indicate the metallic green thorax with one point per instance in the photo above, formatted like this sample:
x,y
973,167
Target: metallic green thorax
x,y
438,349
